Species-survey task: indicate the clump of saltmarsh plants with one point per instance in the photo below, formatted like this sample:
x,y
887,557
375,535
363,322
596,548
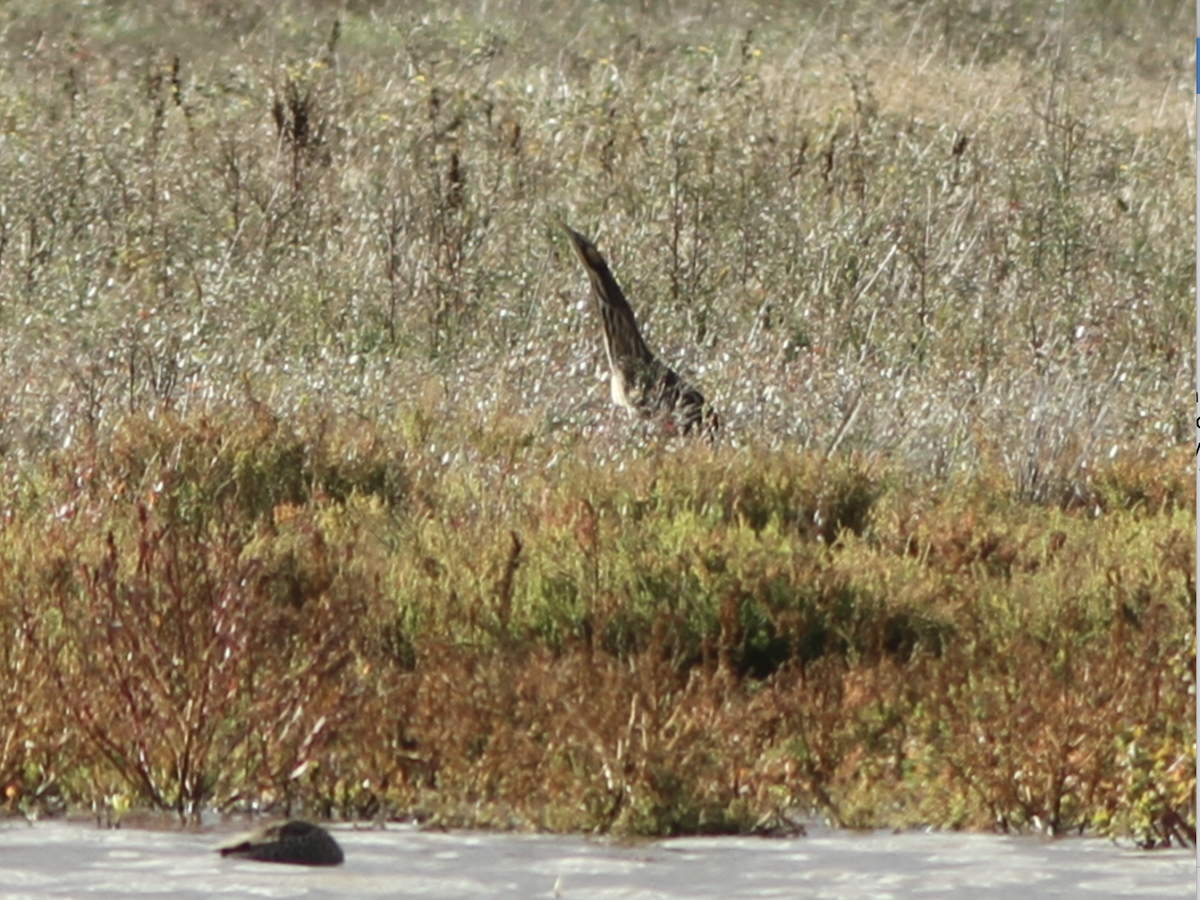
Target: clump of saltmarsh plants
x,y
585,649
313,499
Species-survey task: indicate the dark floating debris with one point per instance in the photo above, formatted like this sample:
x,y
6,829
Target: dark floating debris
x,y
296,842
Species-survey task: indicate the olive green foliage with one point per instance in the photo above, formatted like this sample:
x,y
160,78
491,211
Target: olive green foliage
x,y
313,499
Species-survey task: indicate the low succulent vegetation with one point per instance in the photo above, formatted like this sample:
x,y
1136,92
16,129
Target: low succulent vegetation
x,y
314,501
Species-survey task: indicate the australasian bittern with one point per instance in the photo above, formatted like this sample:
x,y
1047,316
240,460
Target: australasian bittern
x,y
641,382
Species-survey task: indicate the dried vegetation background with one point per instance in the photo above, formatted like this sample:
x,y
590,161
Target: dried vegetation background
x,y
314,498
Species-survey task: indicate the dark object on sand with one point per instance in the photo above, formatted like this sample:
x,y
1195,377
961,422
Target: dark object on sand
x,y
295,842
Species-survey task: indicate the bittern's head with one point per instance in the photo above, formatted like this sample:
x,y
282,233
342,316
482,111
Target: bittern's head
x,y
586,249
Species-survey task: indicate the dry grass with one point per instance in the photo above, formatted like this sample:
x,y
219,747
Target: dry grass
x,y
314,498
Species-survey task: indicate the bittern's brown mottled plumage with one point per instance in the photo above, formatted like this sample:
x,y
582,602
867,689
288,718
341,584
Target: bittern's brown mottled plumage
x,y
641,382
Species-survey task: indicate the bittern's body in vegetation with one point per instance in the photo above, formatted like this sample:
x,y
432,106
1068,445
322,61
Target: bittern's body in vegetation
x,y
641,382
